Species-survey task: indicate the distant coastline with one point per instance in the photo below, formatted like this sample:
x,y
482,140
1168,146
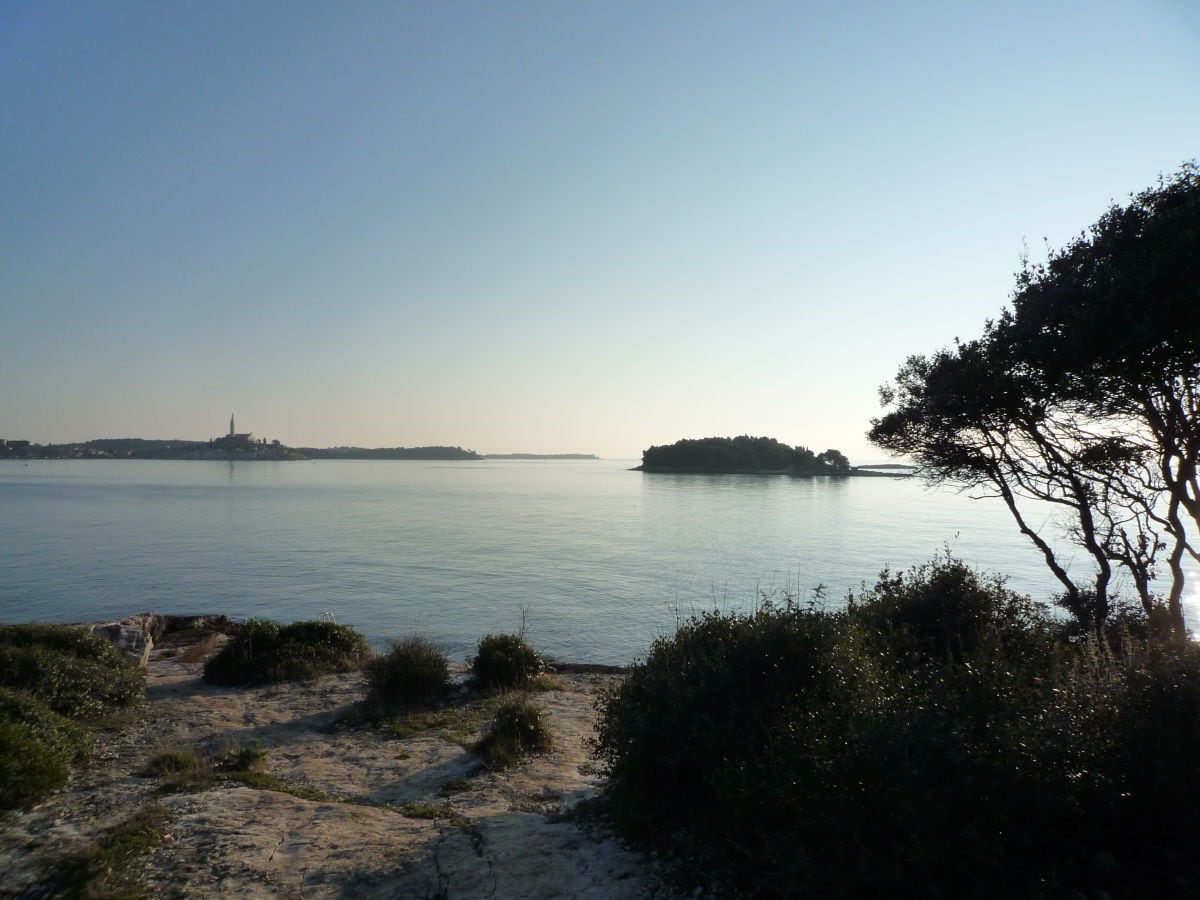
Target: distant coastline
x,y
427,453
234,448
540,456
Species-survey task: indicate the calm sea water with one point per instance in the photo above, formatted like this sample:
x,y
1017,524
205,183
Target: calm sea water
x,y
598,559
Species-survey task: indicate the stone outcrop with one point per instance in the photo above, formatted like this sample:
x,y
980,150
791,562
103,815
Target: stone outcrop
x,y
137,635
133,635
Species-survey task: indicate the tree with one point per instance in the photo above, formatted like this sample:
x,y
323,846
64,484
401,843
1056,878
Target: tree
x,y
1085,396
835,461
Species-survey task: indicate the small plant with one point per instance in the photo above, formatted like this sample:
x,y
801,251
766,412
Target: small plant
x,y
423,811
110,868
265,781
518,729
193,770
177,762
264,652
413,674
249,758
457,786
505,662
181,771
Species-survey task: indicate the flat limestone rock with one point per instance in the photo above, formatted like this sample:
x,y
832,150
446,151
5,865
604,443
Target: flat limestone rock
x,y
400,817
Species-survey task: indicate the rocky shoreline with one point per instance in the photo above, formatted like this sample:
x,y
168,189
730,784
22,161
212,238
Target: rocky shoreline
x,y
410,813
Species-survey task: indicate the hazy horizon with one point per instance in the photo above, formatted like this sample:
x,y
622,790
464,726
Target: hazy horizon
x,y
539,227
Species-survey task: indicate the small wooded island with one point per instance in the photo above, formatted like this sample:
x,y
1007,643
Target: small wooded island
x,y
743,455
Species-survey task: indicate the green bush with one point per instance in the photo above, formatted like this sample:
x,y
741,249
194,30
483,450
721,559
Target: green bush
x,y
27,771
263,652
505,661
37,748
518,729
73,672
945,610
936,739
58,735
705,703
414,673
73,640
47,674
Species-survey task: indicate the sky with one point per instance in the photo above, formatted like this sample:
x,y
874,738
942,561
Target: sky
x,y
544,226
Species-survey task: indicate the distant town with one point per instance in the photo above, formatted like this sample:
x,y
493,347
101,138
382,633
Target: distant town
x,y
236,446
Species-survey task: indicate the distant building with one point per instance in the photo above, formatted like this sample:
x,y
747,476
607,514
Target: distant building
x,y
235,441
235,446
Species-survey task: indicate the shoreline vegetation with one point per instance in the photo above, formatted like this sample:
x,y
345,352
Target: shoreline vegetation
x,y
939,735
259,759
746,455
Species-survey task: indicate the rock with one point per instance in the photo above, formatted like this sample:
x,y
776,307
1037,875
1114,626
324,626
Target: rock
x,y
133,635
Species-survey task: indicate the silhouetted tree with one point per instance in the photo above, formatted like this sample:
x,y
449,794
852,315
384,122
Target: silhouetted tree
x,y
835,461
1085,395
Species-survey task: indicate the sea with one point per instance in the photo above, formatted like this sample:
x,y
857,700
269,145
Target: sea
x,y
592,560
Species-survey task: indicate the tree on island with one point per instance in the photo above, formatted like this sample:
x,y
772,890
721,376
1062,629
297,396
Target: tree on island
x,y
1085,396
742,454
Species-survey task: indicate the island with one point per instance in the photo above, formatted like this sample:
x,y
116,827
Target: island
x,y
743,455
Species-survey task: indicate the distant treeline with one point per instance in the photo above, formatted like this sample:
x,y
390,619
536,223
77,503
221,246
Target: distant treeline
x,y
142,448
742,454
102,448
388,453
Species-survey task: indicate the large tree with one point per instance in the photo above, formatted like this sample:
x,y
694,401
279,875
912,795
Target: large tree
x,y
1085,395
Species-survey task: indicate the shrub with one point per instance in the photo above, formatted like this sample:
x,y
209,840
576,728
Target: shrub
x,y
27,771
263,652
37,748
935,740
73,640
518,729
47,674
58,735
73,672
703,703
945,610
413,673
505,661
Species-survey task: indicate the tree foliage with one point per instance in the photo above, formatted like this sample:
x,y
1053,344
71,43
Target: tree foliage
x,y
1085,396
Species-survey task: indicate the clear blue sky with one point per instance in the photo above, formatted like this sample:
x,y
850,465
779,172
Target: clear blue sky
x,y
551,226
